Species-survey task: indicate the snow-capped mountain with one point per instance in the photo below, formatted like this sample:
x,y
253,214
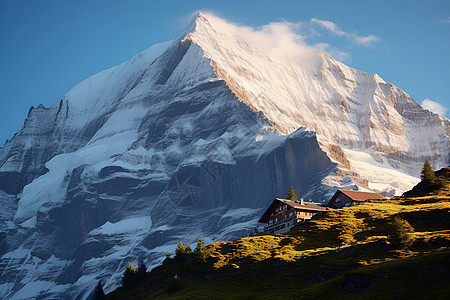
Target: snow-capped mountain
x,y
194,137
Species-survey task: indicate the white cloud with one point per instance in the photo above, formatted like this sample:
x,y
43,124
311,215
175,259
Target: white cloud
x,y
447,20
284,38
278,39
329,25
365,41
434,106
288,39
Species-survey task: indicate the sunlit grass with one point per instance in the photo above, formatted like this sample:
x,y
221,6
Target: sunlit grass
x,y
313,260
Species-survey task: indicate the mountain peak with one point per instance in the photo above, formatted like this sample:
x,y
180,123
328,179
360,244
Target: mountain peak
x,y
198,19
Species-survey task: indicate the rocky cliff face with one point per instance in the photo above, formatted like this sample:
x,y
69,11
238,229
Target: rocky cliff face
x,y
193,137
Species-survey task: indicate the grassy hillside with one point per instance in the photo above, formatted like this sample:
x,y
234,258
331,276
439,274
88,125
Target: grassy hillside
x,y
396,248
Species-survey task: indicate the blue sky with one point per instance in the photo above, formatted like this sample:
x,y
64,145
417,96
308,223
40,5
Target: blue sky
x,y
47,47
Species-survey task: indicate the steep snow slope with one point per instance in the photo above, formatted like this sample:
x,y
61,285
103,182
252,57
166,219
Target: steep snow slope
x,y
71,122
194,137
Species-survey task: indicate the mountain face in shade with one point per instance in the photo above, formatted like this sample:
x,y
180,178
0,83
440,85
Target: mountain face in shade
x,y
194,138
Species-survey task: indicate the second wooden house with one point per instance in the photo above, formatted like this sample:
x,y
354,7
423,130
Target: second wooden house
x,y
346,198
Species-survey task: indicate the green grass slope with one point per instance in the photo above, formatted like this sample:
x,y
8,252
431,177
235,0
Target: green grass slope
x,y
397,248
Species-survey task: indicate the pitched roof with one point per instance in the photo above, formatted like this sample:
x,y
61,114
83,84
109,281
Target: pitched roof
x,y
306,205
361,196
310,206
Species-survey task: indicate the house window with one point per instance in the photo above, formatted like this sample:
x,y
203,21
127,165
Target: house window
x,y
270,222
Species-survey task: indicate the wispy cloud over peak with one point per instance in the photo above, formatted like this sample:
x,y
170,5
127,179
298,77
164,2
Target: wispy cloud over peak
x,y
434,106
365,41
331,26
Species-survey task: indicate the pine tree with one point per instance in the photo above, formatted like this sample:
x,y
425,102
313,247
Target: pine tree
x,y
180,249
401,232
133,274
142,267
200,245
291,194
201,252
129,275
99,294
141,271
188,248
174,285
427,173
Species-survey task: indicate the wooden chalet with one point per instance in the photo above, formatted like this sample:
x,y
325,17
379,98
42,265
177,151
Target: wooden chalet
x,y
345,198
283,214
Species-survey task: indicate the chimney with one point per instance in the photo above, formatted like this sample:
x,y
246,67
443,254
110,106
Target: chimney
x,y
301,201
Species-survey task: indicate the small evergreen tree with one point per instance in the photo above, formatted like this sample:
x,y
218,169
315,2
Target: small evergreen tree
x,y
200,245
180,249
291,194
141,271
142,267
188,248
129,276
134,274
99,294
201,252
428,174
174,285
401,232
